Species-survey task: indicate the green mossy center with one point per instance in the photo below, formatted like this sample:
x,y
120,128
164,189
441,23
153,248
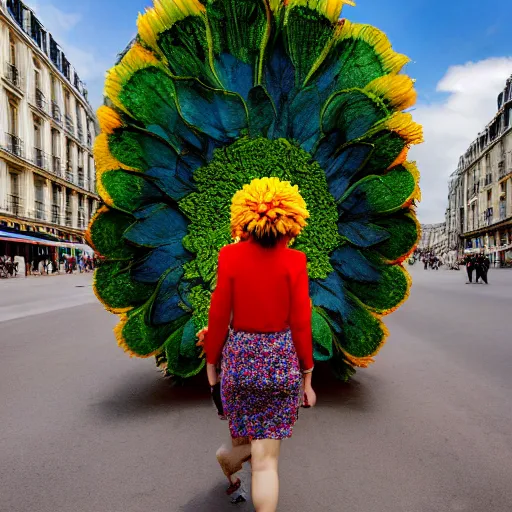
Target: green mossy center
x,y
233,167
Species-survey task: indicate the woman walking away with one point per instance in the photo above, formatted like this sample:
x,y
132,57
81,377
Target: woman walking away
x,y
260,325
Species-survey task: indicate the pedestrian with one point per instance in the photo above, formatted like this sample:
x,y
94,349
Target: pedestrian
x,y
425,263
230,458
482,268
469,261
485,270
260,324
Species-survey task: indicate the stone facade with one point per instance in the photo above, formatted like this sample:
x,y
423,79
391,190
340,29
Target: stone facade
x,y
434,239
479,214
47,130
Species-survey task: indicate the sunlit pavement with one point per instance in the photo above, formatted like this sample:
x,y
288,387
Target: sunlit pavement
x,y
428,428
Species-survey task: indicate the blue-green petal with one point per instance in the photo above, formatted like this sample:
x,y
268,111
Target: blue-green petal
x,y
153,267
341,166
167,306
353,265
362,233
156,226
219,114
305,115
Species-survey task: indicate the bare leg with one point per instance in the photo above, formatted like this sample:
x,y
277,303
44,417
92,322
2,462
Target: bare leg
x,y
265,479
232,458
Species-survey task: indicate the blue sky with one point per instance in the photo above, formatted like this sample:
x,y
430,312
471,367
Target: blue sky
x,y
461,55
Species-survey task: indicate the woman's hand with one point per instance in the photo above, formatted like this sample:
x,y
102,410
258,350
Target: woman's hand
x,y
213,376
201,335
309,396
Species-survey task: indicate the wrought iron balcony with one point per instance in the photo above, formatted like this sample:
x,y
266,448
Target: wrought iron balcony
x,y
70,127
14,144
40,159
69,174
56,166
40,101
13,75
56,214
40,214
14,205
56,114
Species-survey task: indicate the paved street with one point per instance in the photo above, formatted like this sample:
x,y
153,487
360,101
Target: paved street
x,y
428,428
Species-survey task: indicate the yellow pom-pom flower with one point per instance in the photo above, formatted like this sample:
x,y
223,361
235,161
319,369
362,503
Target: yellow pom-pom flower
x,y
268,206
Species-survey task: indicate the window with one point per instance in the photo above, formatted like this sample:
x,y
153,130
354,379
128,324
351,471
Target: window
x,y
13,118
37,75
38,142
55,143
67,103
12,50
15,184
14,203
489,198
53,86
39,199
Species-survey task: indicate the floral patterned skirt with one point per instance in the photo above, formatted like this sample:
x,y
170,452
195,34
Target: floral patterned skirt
x,y
261,384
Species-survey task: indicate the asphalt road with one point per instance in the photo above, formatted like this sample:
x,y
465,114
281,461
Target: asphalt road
x,y
428,428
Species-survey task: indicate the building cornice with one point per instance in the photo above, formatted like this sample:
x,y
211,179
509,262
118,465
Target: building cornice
x,y
7,217
491,227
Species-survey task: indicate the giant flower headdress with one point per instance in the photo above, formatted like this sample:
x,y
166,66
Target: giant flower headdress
x,y
214,94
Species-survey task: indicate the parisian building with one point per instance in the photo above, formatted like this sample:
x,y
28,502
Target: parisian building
x,y
434,239
47,131
479,214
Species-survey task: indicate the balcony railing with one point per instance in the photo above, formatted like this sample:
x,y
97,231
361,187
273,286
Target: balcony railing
x,y
14,144
40,101
14,204
40,214
56,214
40,159
81,180
70,127
13,75
56,114
56,166
69,174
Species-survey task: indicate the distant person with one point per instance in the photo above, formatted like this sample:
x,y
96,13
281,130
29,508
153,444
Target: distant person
x,y
469,261
482,268
425,263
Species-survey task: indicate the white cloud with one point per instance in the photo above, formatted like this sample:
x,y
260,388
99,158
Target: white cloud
x,y
60,24
453,123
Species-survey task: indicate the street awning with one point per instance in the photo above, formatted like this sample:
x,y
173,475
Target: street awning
x,y
6,236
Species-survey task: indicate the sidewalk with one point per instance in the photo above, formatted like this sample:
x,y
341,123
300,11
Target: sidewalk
x,y
22,297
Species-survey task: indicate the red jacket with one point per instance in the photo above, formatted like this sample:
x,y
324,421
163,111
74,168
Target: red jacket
x,y
261,290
